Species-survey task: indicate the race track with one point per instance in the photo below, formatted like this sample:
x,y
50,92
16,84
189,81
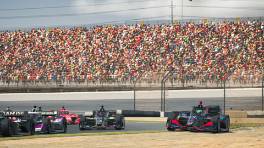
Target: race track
x,y
239,99
130,126
80,106
241,103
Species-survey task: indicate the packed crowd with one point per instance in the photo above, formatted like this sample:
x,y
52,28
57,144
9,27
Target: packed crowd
x,y
203,51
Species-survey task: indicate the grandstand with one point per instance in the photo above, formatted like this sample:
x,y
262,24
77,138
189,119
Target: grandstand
x,y
205,51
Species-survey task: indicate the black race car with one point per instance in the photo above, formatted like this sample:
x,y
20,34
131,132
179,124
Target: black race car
x,y
16,123
101,120
208,119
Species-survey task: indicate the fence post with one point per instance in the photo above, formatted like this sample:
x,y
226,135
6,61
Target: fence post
x,y
161,95
135,81
164,95
224,95
262,93
134,96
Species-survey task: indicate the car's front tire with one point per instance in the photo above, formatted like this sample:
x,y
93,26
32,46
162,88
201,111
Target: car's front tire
x,y
120,122
6,127
168,125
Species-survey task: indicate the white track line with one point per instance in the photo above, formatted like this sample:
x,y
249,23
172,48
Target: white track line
x,y
201,93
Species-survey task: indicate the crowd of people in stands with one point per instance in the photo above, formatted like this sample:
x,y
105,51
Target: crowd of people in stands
x,y
205,51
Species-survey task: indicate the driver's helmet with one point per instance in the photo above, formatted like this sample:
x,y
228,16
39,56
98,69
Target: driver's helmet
x,y
201,103
34,109
62,108
8,109
102,109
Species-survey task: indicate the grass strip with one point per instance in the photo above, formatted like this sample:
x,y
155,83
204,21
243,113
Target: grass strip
x,y
78,134
240,125
232,126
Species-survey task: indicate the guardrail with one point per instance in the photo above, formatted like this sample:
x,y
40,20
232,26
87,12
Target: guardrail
x,y
139,113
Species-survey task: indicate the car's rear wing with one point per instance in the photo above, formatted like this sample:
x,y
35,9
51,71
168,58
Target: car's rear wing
x,y
110,112
89,113
49,113
14,113
45,113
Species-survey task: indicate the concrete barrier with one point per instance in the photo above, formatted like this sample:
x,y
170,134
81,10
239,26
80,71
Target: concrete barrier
x,y
163,120
138,113
232,114
236,114
255,114
146,119
213,94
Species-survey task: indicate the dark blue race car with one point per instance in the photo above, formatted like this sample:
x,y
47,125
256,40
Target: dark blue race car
x,y
16,123
205,119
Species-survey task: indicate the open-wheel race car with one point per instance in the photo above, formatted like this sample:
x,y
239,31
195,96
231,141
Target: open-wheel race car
x,y
16,123
71,118
102,120
205,119
49,122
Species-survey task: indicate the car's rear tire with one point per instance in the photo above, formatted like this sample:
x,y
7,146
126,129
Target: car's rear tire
x,y
28,127
32,130
31,127
81,126
47,125
64,125
82,123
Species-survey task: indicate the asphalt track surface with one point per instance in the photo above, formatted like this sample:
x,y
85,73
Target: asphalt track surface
x,y
172,104
240,100
241,103
130,126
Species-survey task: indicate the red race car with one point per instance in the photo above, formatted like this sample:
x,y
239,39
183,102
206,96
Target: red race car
x,y
71,118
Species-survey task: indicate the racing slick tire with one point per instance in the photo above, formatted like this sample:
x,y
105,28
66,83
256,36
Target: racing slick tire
x,y
29,127
47,124
32,127
168,125
81,126
218,127
64,125
6,126
82,123
120,122
170,129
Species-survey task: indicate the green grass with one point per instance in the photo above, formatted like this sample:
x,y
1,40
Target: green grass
x,y
233,126
240,125
79,134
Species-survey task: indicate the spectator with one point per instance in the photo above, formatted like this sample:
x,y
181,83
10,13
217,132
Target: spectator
x,y
205,51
